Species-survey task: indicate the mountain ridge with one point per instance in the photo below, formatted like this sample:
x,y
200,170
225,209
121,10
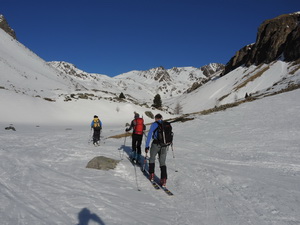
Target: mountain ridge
x,y
196,89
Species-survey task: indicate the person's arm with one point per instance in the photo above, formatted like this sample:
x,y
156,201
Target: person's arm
x,y
150,133
131,126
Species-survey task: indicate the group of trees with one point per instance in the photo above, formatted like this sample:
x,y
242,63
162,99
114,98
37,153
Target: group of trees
x,y
157,103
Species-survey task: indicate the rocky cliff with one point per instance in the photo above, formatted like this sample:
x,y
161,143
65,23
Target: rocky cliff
x,y
276,38
4,25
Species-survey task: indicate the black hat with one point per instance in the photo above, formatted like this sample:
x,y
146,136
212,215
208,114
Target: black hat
x,y
158,116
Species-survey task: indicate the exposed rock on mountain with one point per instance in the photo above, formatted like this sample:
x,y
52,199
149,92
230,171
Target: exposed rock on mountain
x,y
4,25
166,82
212,68
278,37
209,71
162,75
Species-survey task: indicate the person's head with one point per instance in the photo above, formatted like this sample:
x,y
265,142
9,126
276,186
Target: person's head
x,y
136,115
158,117
95,116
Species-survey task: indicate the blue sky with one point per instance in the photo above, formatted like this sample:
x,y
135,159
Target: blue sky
x,y
116,36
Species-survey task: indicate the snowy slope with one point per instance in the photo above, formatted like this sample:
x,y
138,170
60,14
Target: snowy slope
x,y
255,80
24,72
239,166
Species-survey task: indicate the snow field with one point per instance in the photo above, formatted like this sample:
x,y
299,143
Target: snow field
x,y
240,166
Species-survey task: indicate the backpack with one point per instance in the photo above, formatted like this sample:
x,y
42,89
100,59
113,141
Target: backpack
x,y
164,133
97,125
139,126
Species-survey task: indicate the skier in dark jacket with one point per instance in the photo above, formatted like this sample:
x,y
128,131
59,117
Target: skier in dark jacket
x,y
156,149
96,124
137,136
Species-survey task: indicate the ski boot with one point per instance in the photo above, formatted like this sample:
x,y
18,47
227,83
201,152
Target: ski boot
x,y
151,177
163,182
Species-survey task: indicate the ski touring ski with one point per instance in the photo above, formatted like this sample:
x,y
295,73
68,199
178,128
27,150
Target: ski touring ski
x,y
155,185
166,190
158,186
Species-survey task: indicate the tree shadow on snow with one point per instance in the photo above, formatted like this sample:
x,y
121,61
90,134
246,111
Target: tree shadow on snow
x,y
85,216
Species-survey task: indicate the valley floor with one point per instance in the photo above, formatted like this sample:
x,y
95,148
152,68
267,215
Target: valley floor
x,y
240,166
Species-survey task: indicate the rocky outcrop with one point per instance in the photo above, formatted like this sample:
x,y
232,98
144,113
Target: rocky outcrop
x,y
276,38
4,25
211,69
238,59
162,75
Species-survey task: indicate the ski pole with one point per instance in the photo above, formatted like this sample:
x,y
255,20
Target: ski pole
x,y
174,157
90,137
136,180
122,147
122,155
145,162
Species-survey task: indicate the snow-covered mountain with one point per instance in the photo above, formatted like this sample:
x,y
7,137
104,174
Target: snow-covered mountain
x,y
26,75
166,82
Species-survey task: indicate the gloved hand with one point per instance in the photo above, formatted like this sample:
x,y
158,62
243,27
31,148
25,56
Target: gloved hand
x,y
126,129
146,149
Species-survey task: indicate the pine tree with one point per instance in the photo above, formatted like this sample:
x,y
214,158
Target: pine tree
x,y
157,103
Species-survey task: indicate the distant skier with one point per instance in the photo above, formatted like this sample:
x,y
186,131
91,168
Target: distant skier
x,y
138,127
97,126
157,148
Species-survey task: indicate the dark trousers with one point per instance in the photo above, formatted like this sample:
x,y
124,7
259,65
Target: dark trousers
x,y
136,143
96,135
163,170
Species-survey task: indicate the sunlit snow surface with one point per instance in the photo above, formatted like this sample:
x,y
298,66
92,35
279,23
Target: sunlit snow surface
x,y
239,166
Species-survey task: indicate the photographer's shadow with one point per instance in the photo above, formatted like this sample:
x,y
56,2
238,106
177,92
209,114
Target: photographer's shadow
x,y
85,215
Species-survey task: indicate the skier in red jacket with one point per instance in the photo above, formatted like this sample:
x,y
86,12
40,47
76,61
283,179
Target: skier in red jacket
x,y
138,127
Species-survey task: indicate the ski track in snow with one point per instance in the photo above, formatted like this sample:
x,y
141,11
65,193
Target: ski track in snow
x,y
240,166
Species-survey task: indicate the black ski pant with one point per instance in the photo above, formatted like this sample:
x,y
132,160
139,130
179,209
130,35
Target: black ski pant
x,y
136,143
163,170
96,135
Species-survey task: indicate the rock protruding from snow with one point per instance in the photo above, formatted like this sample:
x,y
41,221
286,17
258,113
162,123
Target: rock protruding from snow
x,y
212,68
4,25
102,163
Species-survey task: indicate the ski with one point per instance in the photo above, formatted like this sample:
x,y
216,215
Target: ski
x,y
166,190
155,185
158,186
134,162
